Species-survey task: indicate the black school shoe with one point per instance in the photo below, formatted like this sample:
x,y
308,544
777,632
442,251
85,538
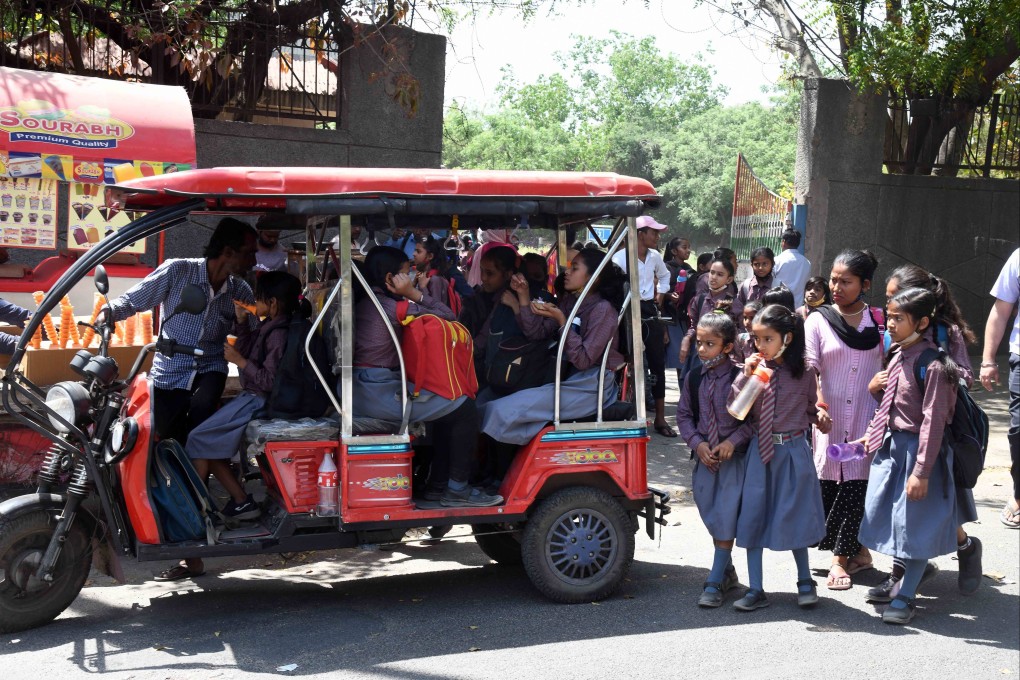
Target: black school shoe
x,y
897,615
882,593
970,576
248,509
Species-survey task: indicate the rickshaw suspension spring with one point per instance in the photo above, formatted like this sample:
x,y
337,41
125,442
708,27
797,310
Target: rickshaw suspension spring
x,y
49,473
80,484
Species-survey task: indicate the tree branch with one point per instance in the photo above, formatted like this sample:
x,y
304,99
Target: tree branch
x,y
793,38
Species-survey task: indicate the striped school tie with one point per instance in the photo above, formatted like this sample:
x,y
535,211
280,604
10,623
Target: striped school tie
x,y
766,447
876,430
713,420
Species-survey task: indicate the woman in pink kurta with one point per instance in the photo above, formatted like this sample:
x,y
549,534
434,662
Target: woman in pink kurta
x,y
844,345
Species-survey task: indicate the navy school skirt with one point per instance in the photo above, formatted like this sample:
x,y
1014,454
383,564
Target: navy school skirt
x,y
903,528
781,505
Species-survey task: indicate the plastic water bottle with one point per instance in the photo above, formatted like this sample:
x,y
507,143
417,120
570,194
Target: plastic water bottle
x,y
329,492
741,404
843,453
681,282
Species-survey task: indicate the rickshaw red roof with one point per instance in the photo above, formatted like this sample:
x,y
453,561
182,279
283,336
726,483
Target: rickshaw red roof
x,y
269,187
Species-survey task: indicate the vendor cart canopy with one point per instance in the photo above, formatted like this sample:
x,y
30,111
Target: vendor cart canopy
x,y
400,197
81,129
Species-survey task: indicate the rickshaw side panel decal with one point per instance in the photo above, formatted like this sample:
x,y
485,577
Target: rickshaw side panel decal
x,y
621,456
375,477
133,470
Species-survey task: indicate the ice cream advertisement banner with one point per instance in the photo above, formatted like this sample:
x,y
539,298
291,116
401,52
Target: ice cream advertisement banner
x,y
91,130
90,220
28,213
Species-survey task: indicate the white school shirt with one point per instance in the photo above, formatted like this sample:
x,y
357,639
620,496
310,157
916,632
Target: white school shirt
x,y
653,275
794,270
1007,287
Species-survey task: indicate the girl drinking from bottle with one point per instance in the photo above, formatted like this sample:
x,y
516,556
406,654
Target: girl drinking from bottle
x,y
910,508
780,506
719,441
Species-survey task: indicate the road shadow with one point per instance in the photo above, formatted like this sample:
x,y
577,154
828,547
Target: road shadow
x,y
335,625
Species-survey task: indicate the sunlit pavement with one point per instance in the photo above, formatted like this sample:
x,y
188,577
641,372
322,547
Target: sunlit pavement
x,y
445,611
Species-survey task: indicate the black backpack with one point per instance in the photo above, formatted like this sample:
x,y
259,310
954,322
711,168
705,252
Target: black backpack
x,y
297,391
520,364
967,433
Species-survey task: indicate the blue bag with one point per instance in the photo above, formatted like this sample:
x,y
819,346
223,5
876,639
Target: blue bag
x,y
182,505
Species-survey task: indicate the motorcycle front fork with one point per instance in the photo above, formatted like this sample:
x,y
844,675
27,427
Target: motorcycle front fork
x,y
77,491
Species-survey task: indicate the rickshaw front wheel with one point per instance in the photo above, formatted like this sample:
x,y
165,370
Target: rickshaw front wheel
x,y
26,601
578,545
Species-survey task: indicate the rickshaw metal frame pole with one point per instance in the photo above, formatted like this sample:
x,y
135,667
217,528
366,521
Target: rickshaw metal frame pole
x,y
404,410
637,339
606,261
346,324
308,349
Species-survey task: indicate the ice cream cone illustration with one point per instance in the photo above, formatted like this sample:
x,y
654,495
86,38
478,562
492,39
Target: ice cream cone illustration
x,y
81,209
56,165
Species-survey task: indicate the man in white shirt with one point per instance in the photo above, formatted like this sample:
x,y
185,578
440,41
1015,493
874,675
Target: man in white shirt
x,y
1006,292
791,267
653,284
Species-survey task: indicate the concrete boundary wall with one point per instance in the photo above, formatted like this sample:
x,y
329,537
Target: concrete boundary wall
x,y
960,229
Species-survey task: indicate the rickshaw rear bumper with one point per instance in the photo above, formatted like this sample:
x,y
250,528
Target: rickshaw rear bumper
x,y
655,509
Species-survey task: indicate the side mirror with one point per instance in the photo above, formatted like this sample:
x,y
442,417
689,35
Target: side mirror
x,y
101,280
193,300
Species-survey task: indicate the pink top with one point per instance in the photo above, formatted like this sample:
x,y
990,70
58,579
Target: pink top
x,y
844,374
925,414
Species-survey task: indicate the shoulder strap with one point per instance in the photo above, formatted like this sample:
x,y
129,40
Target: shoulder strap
x,y
942,336
922,364
402,307
878,316
693,386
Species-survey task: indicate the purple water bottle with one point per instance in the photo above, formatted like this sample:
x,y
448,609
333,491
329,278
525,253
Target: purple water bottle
x,y
681,282
846,452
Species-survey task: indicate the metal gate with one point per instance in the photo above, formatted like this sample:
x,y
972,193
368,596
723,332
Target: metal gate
x,y
759,214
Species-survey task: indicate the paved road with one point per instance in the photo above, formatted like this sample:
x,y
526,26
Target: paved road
x,y
444,611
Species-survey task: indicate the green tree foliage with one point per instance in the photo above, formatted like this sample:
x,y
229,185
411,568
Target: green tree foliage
x,y
619,104
697,166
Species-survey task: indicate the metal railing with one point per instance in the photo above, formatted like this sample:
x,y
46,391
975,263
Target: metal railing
x,y
238,64
984,142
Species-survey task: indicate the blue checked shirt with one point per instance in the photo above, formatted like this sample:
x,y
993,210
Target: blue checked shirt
x,y
207,331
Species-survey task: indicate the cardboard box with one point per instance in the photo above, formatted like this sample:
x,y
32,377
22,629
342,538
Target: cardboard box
x,y
47,366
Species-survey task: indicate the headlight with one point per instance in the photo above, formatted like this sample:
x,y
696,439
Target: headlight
x,y
70,401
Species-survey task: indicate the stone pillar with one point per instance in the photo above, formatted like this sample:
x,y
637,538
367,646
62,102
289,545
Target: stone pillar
x,y
840,138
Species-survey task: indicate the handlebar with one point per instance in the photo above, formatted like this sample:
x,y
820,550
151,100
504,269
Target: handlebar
x,y
172,347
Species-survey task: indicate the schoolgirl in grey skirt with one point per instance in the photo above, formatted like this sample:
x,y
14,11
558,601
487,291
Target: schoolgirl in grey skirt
x,y
781,504
719,442
910,509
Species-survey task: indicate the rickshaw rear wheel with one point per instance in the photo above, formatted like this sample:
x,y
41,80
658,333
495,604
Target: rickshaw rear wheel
x,y
578,545
25,601
498,544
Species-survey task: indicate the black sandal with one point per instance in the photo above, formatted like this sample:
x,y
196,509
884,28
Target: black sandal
x,y
177,573
665,430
